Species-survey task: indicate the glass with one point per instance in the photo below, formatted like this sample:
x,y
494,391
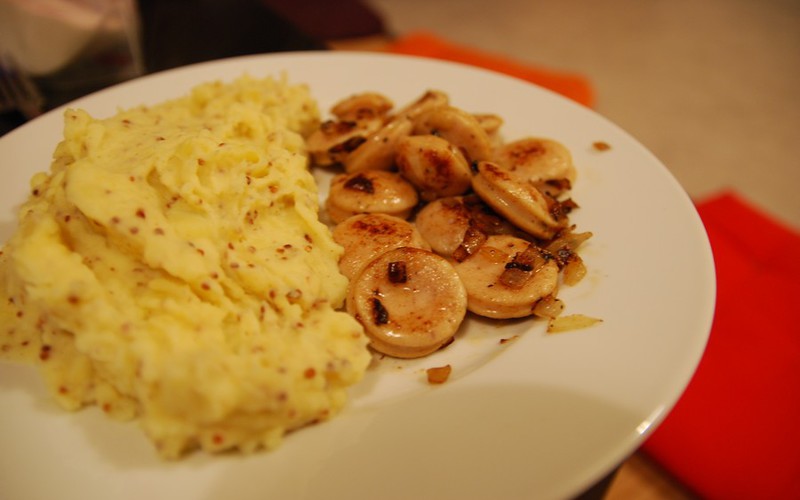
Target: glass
x,y
72,47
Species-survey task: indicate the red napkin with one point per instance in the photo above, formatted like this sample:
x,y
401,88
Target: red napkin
x,y
421,43
735,432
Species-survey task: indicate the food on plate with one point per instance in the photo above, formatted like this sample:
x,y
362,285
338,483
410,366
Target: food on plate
x,y
377,151
370,191
496,212
458,127
171,267
491,124
429,100
507,276
434,165
454,225
332,141
536,160
366,236
410,301
564,249
571,322
521,203
364,106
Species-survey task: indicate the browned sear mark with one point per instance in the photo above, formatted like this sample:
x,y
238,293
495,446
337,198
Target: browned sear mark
x,y
397,272
360,183
379,313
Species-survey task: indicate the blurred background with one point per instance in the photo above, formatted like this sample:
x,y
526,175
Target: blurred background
x,y
710,87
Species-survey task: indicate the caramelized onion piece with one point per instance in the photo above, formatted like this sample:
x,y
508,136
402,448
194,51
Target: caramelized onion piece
x,y
473,239
439,374
485,219
564,247
549,307
574,271
523,266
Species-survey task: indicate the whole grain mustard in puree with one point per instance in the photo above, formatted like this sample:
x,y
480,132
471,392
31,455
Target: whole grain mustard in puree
x,y
171,267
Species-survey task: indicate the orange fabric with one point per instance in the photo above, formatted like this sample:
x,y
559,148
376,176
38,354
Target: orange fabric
x,y
573,86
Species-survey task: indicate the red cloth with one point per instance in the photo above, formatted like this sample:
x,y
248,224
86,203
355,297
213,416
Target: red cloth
x,y
735,432
574,86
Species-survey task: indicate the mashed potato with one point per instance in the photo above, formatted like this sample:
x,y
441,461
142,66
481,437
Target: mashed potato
x,y
171,267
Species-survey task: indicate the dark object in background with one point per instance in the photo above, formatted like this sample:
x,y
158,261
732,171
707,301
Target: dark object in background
x,y
329,19
180,32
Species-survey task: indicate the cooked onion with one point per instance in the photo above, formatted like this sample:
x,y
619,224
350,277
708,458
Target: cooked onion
x,y
574,270
567,240
564,248
474,238
439,375
523,266
571,322
548,307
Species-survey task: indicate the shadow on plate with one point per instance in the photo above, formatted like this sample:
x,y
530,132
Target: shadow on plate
x,y
493,442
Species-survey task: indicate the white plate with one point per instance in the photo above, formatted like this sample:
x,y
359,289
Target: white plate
x,y
543,417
